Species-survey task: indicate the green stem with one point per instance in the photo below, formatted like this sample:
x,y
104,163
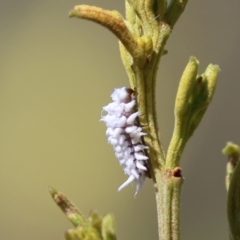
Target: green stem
x,y
167,182
177,185
175,148
168,205
166,210
145,84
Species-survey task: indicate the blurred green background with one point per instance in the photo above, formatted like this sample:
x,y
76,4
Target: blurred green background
x,y
56,74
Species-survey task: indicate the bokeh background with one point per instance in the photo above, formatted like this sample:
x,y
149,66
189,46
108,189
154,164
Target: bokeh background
x,y
56,74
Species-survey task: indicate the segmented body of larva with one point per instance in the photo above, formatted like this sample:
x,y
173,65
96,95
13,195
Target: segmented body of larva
x,y
125,135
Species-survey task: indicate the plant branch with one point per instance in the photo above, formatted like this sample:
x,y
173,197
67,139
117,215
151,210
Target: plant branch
x,y
143,36
114,22
193,98
184,93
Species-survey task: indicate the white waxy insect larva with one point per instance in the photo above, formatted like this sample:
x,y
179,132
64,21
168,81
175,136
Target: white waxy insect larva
x,y
122,121
129,106
122,138
140,156
134,173
130,129
131,119
118,149
129,180
140,148
117,132
125,135
112,141
140,166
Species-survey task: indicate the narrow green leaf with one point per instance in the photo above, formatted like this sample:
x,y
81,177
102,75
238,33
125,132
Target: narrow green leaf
x,y
96,221
108,228
71,211
232,151
114,21
174,10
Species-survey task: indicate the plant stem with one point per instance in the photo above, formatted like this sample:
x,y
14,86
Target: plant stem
x,y
168,204
167,181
